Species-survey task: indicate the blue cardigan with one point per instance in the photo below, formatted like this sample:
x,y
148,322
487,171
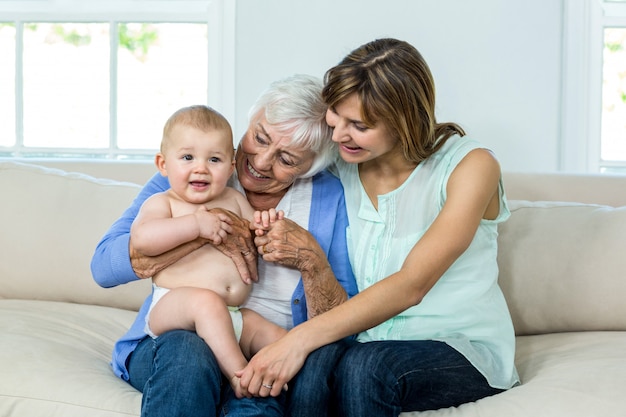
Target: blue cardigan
x,y
110,265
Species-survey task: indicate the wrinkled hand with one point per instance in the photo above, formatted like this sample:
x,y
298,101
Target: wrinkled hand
x,y
276,364
288,244
144,266
238,245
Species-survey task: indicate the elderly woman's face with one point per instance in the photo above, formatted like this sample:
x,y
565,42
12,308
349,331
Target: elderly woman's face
x,y
266,162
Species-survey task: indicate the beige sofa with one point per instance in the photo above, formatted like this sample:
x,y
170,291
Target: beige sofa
x,y
563,271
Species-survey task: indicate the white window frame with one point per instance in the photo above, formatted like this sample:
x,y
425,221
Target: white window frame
x,y
219,15
581,110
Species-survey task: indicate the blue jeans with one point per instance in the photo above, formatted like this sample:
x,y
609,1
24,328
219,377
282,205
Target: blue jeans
x,y
310,392
261,406
385,378
179,376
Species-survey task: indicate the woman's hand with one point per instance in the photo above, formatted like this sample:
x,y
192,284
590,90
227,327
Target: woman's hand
x,y
238,245
147,266
288,244
274,365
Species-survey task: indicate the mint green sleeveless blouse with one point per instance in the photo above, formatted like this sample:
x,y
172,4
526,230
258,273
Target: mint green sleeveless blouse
x,y
466,308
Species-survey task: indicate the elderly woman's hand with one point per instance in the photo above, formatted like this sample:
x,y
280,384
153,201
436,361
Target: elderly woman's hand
x,y
288,244
238,245
147,266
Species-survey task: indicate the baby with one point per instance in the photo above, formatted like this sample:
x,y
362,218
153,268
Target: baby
x,y
202,291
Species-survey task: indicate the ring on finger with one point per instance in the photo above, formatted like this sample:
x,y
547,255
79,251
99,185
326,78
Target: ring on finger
x,y
246,253
268,386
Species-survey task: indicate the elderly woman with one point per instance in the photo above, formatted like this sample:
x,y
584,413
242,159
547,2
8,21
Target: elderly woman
x,y
280,164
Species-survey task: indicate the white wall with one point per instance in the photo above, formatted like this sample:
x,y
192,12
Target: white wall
x,y
496,63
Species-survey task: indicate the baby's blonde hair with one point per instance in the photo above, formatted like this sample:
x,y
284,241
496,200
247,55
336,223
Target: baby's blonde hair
x,y
198,116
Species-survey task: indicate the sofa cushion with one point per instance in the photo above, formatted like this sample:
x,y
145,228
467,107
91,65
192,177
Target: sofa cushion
x,y
54,360
561,267
51,222
566,374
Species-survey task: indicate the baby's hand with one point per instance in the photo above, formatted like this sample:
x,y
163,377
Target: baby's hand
x,y
236,386
213,227
263,220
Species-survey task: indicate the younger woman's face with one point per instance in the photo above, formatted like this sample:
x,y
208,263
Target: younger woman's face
x,y
357,142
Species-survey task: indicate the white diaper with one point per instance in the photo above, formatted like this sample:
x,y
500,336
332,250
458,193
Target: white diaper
x,y
159,292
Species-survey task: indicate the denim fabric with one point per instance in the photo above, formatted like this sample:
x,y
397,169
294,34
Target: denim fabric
x,y
310,392
252,407
179,376
387,377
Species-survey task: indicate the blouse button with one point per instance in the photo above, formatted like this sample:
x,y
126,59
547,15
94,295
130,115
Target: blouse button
x,y
296,301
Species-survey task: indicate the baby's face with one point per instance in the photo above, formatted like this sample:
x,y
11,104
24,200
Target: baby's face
x,y
198,163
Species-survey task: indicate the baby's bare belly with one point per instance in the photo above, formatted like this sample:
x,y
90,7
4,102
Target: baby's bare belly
x,y
206,268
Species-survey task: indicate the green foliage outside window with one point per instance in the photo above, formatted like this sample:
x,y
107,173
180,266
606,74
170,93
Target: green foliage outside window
x,y
613,49
138,41
136,38
71,36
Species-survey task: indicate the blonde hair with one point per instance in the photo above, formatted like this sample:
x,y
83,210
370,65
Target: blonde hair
x,y
198,116
395,86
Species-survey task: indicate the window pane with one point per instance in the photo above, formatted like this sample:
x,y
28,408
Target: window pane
x,y
613,147
7,84
161,67
66,85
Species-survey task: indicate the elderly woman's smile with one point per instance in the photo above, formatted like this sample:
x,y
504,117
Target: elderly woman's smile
x,y
267,162
254,172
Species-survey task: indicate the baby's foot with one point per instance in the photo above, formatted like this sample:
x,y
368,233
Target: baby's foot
x,y
236,386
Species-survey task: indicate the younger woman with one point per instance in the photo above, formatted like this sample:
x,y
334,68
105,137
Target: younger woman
x,y
424,203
